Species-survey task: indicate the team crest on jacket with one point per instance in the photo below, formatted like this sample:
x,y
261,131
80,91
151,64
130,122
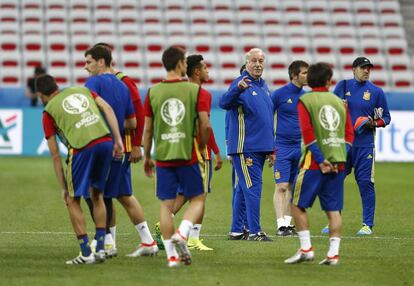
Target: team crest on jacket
x,y
75,103
329,118
289,101
248,162
172,111
367,95
254,93
277,175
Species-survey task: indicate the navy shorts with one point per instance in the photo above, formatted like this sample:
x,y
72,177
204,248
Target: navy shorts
x,y
208,176
189,178
119,180
287,164
89,167
328,187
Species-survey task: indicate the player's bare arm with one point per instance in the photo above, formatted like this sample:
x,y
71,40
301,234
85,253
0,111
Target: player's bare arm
x,y
57,166
204,130
148,133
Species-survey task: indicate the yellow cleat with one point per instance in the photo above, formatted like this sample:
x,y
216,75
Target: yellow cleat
x,y
194,243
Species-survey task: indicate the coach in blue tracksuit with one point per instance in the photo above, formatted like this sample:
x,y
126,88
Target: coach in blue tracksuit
x,y
369,110
250,134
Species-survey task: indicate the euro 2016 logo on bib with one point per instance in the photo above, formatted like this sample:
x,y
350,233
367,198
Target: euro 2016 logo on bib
x,y
172,111
329,118
75,103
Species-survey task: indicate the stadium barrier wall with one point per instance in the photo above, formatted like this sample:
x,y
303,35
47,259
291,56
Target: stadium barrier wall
x,y
21,134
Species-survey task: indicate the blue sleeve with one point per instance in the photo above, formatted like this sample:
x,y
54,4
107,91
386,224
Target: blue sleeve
x,y
230,98
92,83
226,126
130,107
339,89
316,152
275,99
382,103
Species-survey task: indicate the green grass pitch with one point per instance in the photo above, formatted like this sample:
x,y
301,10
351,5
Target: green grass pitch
x,y
36,237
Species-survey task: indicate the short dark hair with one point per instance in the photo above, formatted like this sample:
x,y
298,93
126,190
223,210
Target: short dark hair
x,y
102,44
294,68
193,63
172,56
98,52
39,71
45,84
319,74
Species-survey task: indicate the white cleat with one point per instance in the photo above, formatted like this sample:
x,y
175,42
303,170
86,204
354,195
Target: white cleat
x,y
110,251
173,262
145,250
181,246
100,256
330,260
301,256
80,259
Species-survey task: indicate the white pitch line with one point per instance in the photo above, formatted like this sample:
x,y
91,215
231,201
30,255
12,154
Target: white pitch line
x,y
204,235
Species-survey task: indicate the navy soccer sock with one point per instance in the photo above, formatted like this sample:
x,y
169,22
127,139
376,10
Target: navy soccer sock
x,y
84,245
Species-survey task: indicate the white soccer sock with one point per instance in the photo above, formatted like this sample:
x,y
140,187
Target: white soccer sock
x,y
195,231
169,248
280,222
305,240
144,232
108,239
333,246
288,220
185,227
112,229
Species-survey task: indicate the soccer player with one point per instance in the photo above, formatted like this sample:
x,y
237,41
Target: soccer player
x,y
133,154
73,114
327,134
171,111
287,143
250,138
197,72
368,104
98,61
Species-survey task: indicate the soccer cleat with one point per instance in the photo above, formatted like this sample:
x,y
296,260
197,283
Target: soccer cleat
x,y
80,259
181,246
173,262
330,260
236,236
110,251
301,256
145,250
284,231
325,230
158,237
292,229
365,230
195,243
260,236
100,256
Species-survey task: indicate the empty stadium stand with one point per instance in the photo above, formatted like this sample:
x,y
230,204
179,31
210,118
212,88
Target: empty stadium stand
x,y
55,33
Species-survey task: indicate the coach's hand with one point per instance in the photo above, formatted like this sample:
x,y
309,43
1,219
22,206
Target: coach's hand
x,y
136,154
149,167
244,83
